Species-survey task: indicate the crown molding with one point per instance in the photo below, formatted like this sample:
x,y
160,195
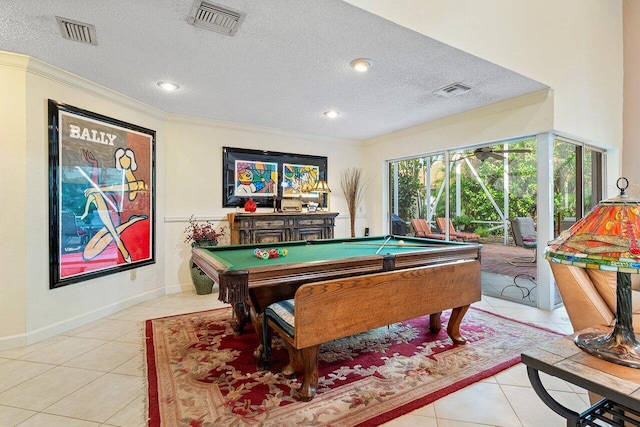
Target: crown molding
x,y
41,69
200,121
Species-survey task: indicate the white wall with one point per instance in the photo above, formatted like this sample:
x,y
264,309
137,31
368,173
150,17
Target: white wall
x,y
51,311
194,177
30,310
13,227
631,119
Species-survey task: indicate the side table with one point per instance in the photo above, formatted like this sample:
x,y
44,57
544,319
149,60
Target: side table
x,y
618,385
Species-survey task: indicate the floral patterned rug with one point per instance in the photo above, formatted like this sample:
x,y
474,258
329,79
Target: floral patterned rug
x,y
200,374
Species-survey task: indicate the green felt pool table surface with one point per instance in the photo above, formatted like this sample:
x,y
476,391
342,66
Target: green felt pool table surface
x,y
242,256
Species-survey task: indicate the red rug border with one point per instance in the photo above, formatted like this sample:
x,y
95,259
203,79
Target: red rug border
x,y
152,375
153,410
153,403
533,325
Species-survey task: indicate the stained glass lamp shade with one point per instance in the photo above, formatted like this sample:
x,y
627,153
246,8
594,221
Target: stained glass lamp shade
x,y
607,239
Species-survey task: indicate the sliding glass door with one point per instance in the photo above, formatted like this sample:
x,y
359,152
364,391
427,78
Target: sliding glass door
x,y
478,188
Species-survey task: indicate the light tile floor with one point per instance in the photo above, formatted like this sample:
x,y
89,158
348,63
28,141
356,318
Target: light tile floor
x,y
93,376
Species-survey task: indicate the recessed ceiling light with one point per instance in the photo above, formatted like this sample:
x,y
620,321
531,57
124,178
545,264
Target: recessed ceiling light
x,y
332,114
361,64
168,86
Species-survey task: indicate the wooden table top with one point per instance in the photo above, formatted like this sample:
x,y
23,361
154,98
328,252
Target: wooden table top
x,y
563,359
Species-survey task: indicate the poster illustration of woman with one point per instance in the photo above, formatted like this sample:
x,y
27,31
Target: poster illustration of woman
x,y
108,203
104,198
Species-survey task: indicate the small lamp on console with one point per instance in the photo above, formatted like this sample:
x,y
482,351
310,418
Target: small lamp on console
x,y
607,239
321,188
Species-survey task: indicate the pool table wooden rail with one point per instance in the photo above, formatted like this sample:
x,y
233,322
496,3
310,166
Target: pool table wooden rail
x,y
328,310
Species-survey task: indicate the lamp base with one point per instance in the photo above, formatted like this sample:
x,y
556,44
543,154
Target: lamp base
x,y
617,346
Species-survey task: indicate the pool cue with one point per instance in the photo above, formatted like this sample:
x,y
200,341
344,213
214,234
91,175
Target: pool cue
x,y
382,246
424,245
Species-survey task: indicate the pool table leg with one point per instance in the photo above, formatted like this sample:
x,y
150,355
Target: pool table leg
x,y
241,314
453,328
260,351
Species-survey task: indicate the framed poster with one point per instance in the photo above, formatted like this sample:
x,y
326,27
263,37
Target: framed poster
x,y
267,176
255,179
299,180
101,195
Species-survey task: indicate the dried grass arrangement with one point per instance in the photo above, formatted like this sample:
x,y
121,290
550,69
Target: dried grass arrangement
x,y
353,186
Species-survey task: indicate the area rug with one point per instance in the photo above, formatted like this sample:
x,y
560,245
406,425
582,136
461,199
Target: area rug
x,y
200,374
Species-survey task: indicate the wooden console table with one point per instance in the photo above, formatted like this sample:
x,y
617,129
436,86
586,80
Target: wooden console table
x,y
618,385
276,227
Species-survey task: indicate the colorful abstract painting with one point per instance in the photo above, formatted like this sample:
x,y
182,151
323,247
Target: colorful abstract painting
x,y
298,180
256,179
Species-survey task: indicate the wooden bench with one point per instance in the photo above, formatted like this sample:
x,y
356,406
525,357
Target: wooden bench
x,y
332,309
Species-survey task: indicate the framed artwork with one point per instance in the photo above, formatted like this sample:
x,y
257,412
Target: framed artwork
x,y
256,179
299,180
101,195
268,176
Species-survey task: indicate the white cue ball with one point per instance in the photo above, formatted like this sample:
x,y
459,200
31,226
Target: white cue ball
x,y
401,242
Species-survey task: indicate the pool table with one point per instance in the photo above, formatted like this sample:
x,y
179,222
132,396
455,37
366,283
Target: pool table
x,y
244,278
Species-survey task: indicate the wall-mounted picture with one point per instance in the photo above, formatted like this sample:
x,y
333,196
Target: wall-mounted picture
x,y
268,176
256,179
101,195
298,180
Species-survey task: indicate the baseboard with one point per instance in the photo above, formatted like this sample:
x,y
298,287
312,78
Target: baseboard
x,y
49,331
182,287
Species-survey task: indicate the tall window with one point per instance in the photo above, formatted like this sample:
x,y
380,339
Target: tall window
x,y
487,185
478,188
417,187
577,181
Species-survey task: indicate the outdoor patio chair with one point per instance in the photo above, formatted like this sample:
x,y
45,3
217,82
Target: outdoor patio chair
x,y
524,235
442,225
421,228
398,226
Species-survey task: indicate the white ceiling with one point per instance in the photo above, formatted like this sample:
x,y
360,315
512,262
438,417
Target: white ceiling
x,y
287,64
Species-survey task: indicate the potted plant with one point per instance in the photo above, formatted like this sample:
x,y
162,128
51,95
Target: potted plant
x,y
201,234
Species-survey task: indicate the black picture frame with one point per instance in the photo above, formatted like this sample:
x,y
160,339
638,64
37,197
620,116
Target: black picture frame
x,y
271,195
101,195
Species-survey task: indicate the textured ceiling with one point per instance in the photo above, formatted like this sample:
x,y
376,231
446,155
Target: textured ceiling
x,y
287,64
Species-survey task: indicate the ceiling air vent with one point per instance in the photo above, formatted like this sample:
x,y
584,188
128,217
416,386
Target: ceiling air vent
x,y
452,90
77,31
216,18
